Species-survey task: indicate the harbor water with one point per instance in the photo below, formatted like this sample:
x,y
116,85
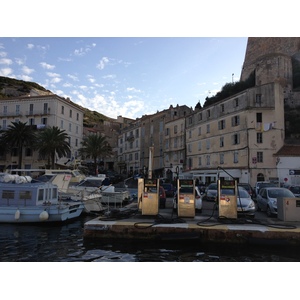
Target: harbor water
x,y
65,243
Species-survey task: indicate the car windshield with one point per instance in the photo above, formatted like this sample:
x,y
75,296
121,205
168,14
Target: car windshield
x,y
243,193
275,193
295,189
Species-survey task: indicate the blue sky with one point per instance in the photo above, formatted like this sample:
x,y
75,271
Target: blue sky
x,y
133,57
128,76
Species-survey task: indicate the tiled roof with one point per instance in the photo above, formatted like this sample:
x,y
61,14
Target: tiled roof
x,y
288,150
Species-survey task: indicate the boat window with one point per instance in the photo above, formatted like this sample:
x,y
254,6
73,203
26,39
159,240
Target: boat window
x,y
54,193
25,195
7,194
41,195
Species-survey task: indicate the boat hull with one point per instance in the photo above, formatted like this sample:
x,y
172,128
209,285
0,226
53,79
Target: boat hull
x,y
40,214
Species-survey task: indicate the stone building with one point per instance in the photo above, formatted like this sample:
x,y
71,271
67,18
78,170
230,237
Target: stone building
x,y
240,135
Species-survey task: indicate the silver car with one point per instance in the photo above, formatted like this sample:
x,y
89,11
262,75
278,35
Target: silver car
x,y
267,199
245,204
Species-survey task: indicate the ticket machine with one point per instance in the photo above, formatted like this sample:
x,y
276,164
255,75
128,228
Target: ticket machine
x,y
150,197
186,198
227,198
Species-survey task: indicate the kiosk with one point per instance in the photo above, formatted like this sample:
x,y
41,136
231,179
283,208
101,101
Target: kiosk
x,y
227,198
186,198
150,197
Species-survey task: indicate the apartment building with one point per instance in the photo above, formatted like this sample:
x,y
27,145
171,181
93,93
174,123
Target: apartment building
x,y
147,133
237,137
175,147
40,111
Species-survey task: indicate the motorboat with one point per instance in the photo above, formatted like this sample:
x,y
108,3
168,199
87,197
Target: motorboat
x,y
25,200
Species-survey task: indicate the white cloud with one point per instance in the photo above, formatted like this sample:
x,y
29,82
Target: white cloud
x,y
26,77
102,63
19,61
50,74
6,72
27,70
5,61
30,46
75,78
3,54
112,76
47,66
133,90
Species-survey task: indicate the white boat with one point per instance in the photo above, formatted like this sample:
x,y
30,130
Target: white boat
x,y
23,200
87,191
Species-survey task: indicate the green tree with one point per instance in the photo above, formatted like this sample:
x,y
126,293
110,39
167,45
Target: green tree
x,y
17,135
95,146
51,141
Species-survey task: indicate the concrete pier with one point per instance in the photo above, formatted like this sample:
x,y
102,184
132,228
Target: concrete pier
x,y
128,223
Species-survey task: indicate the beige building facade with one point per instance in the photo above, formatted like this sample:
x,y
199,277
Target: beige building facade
x,y
41,111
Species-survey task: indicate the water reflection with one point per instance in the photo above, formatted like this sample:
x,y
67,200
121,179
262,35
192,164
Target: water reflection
x,y
65,243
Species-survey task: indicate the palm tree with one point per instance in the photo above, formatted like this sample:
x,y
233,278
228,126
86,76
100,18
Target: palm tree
x,y
95,146
51,141
17,135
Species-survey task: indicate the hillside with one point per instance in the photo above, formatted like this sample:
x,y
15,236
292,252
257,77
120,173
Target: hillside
x,y
10,87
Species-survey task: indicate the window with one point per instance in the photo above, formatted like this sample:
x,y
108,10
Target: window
x,y
4,124
259,117
5,110
221,124
200,116
235,157
190,120
236,102
175,143
199,146
190,133
28,152
208,128
45,108
235,139
221,158
62,110
199,130
31,109
167,131
258,99
70,127
70,113
199,161
222,108
77,117
61,124
260,157
189,147
222,141
208,160
31,121
190,163
17,109
167,144
259,138
44,121
175,129
235,121
208,113
207,144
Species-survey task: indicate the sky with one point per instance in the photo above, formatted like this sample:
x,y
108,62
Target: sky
x,y
127,76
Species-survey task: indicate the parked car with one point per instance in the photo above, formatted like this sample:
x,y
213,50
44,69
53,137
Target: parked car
x,y
162,197
245,203
211,192
295,189
267,199
248,188
198,199
261,184
169,189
